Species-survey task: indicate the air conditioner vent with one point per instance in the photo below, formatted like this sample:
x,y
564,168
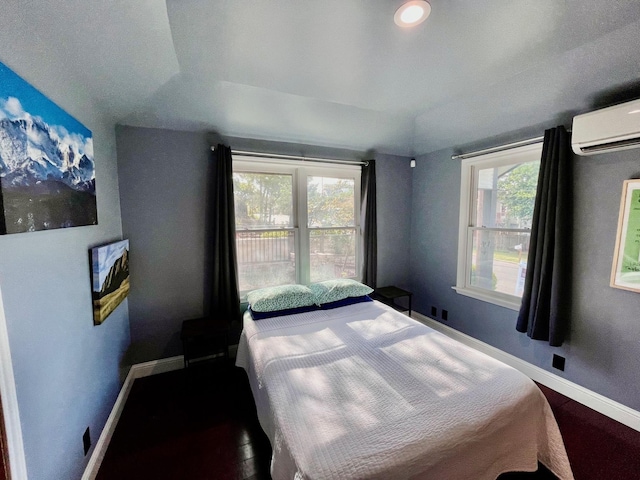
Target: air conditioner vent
x,y
619,145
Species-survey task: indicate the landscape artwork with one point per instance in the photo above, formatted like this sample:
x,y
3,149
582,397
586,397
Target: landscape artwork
x,y
625,273
110,277
47,174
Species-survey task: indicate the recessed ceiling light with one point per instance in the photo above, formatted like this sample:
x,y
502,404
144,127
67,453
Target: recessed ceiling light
x,y
412,13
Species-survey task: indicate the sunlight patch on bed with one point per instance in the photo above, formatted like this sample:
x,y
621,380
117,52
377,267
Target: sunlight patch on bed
x,y
290,346
425,359
348,394
382,325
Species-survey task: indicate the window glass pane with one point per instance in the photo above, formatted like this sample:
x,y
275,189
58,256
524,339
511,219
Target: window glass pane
x,y
263,200
332,253
499,261
506,195
265,258
330,202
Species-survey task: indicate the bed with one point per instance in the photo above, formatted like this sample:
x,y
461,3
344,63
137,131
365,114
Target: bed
x,y
365,392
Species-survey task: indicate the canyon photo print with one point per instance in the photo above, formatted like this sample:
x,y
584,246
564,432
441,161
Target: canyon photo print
x,y
110,277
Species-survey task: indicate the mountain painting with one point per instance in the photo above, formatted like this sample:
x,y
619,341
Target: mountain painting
x,y
47,174
110,277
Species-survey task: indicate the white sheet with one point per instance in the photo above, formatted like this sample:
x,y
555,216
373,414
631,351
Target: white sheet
x,y
364,392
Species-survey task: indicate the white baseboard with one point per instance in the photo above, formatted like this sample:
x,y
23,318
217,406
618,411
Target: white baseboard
x,y
591,399
137,371
157,366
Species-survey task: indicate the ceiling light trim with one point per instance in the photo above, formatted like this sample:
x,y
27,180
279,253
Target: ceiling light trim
x,y
412,13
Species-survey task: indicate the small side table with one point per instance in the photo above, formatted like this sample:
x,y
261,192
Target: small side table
x,y
202,340
389,294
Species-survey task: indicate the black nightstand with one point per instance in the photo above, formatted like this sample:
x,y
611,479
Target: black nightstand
x,y
389,294
204,341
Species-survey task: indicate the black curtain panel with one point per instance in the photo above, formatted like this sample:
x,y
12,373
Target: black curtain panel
x,y
546,301
225,300
368,224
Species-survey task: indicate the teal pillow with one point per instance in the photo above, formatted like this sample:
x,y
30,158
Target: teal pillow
x,y
282,297
339,289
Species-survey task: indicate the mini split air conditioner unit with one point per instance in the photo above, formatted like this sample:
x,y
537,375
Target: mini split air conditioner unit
x,y
607,130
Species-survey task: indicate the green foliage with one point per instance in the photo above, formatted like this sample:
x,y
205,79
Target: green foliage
x,y
262,200
330,204
517,192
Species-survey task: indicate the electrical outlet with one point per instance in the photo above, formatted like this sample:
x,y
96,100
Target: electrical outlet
x,y
445,315
434,312
86,441
558,362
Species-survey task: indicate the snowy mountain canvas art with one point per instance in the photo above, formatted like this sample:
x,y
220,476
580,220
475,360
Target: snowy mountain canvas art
x,y
110,278
47,174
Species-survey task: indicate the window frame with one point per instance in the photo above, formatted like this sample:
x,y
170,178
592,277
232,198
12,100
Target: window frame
x,y
300,171
468,198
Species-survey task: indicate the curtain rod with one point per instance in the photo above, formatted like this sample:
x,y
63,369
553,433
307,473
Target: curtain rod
x,y
499,148
293,157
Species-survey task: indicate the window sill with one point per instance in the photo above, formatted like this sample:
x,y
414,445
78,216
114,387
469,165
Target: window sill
x,y
485,297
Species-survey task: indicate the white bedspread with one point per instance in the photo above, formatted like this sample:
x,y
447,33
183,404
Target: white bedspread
x,y
364,392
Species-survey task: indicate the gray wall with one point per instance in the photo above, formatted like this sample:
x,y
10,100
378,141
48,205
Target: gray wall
x,y
602,351
393,188
163,196
67,371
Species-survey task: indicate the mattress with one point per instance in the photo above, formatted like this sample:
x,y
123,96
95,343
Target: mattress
x,y
365,392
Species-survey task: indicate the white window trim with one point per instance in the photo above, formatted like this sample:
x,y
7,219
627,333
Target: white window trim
x,y
300,170
468,187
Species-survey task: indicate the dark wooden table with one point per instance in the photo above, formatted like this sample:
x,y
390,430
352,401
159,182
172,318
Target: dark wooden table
x,y
203,340
389,294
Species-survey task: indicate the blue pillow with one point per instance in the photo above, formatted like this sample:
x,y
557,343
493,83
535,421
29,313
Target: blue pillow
x,y
346,301
281,313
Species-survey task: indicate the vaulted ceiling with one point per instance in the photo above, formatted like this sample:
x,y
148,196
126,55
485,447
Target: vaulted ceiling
x,y
339,73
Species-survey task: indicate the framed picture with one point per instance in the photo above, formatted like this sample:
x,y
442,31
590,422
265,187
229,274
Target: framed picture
x,y
625,273
47,174
110,278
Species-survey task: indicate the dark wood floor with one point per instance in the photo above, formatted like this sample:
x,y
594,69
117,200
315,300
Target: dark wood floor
x,y
201,425
195,424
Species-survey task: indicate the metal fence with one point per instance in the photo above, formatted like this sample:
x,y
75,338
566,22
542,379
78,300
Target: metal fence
x,y
266,246
267,257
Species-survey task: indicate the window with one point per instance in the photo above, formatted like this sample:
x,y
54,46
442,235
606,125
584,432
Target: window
x,y
295,223
496,210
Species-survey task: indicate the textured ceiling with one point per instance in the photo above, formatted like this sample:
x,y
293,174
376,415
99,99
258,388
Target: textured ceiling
x,y
340,73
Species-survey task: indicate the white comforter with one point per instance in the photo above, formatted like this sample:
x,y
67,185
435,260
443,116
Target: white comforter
x,y
364,392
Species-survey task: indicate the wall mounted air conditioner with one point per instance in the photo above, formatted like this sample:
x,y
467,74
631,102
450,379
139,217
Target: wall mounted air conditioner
x,y
607,130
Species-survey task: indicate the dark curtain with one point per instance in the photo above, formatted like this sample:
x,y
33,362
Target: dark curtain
x,y
368,224
224,300
546,301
